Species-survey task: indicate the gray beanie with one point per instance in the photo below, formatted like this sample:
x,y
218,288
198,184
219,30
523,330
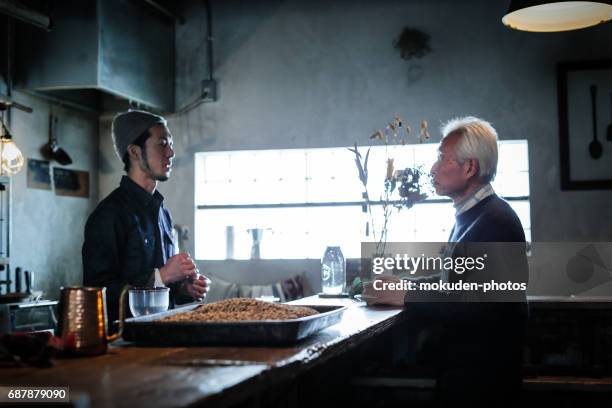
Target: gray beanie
x,y
128,126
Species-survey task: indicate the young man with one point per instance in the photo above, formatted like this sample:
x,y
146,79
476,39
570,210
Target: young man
x,y
128,237
480,336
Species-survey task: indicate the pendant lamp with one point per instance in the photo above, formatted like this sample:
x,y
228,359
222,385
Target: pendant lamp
x,y
551,16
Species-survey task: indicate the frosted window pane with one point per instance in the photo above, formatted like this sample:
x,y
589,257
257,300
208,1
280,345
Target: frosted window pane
x,y
322,163
403,156
242,166
334,190
513,156
214,193
511,184
334,225
210,229
425,155
331,190
199,189
522,209
216,167
288,233
268,166
290,192
291,165
242,192
377,170
328,176
341,165
434,221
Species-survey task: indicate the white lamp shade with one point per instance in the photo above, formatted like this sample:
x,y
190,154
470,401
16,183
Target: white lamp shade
x,y
11,159
557,16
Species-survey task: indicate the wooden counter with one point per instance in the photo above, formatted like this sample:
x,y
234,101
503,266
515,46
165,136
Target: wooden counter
x,y
218,376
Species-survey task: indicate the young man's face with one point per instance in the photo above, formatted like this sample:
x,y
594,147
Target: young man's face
x,y
158,153
449,176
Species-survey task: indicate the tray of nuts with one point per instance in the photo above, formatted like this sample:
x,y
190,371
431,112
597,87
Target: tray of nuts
x,y
239,321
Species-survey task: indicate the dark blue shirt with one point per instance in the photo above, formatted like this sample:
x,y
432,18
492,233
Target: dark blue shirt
x,y
126,237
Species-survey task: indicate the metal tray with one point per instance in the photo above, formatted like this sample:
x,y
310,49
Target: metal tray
x,y
148,330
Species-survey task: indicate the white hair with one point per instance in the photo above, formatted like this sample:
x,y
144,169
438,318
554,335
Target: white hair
x,y
478,141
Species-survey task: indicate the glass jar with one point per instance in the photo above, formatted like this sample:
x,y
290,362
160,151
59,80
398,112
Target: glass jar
x,y
333,271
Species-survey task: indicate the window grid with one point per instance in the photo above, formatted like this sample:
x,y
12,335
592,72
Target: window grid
x,y
306,199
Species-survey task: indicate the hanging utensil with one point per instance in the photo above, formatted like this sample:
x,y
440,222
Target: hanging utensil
x,y
52,149
609,135
18,279
595,147
28,281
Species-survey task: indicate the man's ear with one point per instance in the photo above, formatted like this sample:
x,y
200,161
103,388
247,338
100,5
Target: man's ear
x,y
134,152
472,168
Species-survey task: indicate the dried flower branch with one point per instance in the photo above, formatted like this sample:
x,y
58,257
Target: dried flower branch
x,y
412,186
424,131
362,169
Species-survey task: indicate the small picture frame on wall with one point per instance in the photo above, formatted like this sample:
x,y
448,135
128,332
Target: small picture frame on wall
x,y
585,124
39,175
72,183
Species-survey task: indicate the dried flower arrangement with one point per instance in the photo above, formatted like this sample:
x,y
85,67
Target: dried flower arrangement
x,y
412,184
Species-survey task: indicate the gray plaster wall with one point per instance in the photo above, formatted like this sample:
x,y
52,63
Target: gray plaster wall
x,y
47,230
325,73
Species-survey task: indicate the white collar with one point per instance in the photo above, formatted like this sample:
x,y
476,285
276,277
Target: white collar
x,y
479,195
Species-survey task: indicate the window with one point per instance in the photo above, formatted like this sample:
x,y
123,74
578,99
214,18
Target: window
x,y
295,202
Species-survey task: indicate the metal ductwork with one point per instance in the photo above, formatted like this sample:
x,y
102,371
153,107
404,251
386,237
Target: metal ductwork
x,y
101,55
24,13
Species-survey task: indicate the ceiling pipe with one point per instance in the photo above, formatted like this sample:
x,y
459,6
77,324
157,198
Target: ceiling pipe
x,y
165,11
209,39
11,158
17,10
208,92
6,101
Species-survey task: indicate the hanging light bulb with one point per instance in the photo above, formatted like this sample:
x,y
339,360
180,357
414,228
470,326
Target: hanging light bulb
x,y
551,16
11,158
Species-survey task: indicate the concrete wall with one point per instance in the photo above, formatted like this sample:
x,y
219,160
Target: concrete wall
x,y
47,230
319,73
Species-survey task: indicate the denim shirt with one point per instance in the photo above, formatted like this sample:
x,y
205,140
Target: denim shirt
x,y
126,237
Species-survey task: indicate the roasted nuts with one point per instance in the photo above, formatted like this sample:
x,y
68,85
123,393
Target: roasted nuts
x,y
239,309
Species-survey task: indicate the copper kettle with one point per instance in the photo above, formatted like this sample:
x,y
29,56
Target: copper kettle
x,y
83,322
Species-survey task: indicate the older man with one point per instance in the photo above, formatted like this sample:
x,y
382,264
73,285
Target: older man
x,y
479,358
128,237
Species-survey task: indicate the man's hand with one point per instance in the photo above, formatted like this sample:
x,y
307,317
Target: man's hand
x,y
197,287
383,297
178,268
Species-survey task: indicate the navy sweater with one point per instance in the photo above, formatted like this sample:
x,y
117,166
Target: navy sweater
x,y
479,339
490,220
491,227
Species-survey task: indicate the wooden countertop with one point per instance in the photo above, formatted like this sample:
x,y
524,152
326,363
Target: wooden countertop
x,y
179,376
572,302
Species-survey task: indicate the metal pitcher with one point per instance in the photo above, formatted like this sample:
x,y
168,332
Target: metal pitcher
x,y
83,320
